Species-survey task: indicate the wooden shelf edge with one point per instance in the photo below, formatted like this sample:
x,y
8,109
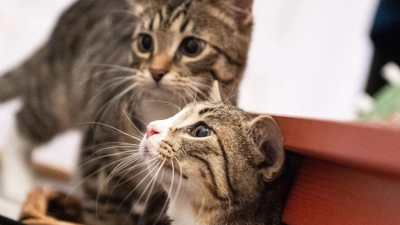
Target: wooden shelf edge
x,y
364,146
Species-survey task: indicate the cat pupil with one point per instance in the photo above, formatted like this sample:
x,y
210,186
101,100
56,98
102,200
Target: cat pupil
x,y
192,46
145,43
201,131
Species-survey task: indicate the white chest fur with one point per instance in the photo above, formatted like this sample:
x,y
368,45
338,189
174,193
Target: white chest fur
x,y
180,212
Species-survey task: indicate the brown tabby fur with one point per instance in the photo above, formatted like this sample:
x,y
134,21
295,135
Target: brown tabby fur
x,y
236,175
91,70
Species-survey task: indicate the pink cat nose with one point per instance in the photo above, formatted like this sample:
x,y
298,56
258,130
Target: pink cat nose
x,y
158,74
151,130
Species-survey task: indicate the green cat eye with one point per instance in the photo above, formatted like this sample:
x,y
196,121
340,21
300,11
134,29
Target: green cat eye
x,y
201,131
192,46
145,43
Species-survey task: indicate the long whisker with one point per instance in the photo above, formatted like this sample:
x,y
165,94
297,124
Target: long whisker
x,y
113,128
103,186
127,170
130,121
111,85
112,101
111,66
152,182
169,190
179,94
108,155
153,162
180,178
90,175
137,186
133,148
165,102
123,166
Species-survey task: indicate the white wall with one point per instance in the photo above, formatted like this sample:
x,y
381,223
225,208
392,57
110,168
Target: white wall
x,y
24,25
308,57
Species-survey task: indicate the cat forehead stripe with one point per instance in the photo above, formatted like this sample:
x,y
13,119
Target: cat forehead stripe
x,y
215,12
178,21
206,110
213,187
182,8
185,25
226,168
175,20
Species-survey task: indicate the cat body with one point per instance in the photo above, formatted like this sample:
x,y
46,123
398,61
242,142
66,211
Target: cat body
x,y
218,165
111,67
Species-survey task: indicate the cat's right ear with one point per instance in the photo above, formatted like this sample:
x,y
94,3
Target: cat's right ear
x,y
244,4
245,16
140,5
137,6
268,138
242,8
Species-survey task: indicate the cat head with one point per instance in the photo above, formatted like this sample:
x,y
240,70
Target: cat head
x,y
183,45
214,150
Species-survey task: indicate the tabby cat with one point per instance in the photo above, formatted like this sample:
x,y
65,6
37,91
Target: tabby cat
x,y
118,63
218,165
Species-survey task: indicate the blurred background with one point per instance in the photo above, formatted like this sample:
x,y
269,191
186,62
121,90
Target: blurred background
x,y
308,58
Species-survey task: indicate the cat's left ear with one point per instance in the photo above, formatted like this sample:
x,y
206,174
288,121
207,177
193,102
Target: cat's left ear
x,y
268,138
246,5
245,16
215,94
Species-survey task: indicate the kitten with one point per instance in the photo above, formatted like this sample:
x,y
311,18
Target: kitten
x,y
218,165
118,63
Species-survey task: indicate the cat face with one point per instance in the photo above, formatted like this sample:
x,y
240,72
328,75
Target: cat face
x,y
214,150
184,45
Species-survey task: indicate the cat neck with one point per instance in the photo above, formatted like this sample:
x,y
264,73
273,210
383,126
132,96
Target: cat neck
x,y
181,212
195,208
192,208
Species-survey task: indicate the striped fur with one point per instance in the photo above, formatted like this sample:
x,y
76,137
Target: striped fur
x,y
232,175
93,69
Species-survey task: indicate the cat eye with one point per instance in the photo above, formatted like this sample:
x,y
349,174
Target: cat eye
x,y
201,131
192,46
145,43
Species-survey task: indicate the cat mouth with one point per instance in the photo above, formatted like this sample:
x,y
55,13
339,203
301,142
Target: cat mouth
x,y
146,153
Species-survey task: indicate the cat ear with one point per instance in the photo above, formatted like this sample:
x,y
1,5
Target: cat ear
x,y
269,140
140,5
245,16
246,5
215,94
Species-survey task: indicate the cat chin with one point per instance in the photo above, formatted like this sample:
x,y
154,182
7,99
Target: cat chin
x,y
160,89
157,90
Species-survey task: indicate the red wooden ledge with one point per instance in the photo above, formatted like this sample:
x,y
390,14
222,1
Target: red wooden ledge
x,y
351,174
364,146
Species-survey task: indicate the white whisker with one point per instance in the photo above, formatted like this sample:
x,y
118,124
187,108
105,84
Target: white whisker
x,y
152,182
137,186
130,121
115,129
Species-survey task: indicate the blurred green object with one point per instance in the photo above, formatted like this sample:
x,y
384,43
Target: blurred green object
x,y
386,102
